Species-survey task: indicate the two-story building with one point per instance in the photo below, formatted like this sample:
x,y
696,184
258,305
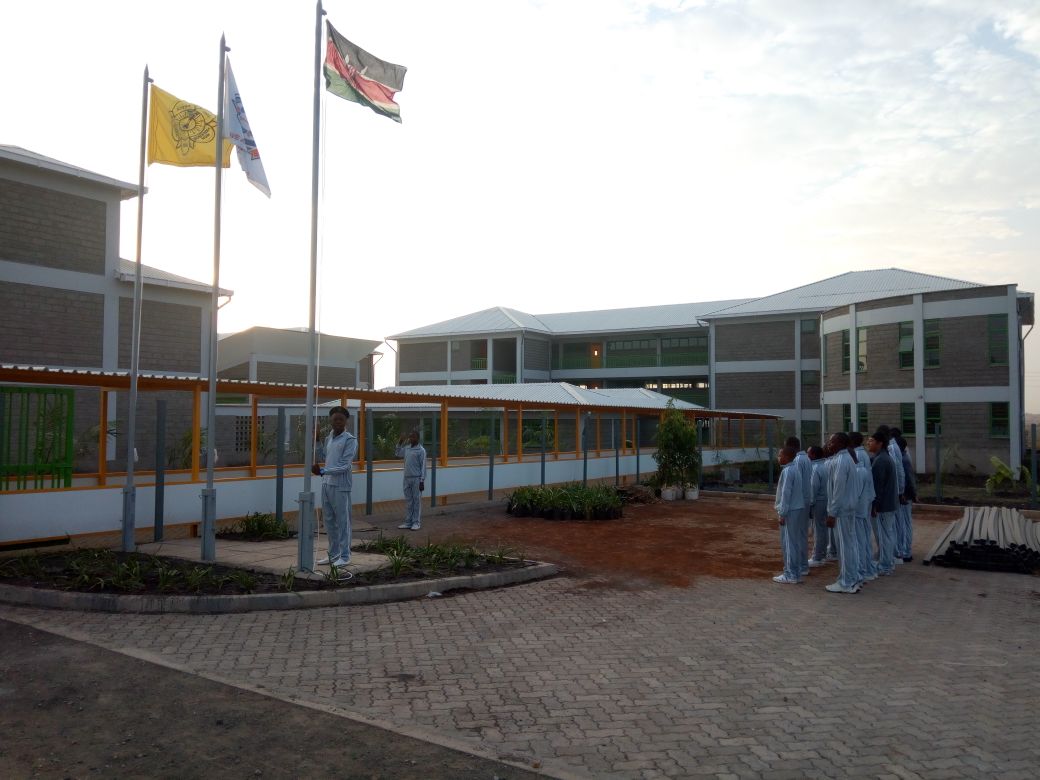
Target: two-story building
x,y
66,297
787,354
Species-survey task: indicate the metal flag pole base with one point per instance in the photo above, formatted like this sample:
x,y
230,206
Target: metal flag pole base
x,y
305,533
209,524
129,503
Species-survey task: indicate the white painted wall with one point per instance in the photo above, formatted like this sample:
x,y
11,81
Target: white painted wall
x,y
44,514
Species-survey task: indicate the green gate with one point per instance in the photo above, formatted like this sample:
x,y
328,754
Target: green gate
x,y
36,440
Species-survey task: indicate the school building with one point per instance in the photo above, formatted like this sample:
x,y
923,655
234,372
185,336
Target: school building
x,y
929,354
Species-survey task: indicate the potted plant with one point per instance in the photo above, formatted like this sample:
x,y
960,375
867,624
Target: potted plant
x,y
677,456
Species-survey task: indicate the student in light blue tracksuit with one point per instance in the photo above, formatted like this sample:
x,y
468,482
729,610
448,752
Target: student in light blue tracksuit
x,y
867,567
804,465
886,499
823,537
906,501
793,513
900,524
337,479
414,455
842,494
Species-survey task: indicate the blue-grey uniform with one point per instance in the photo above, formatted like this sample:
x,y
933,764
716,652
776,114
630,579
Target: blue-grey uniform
x,y
842,494
801,460
336,484
886,499
823,537
414,473
867,567
900,524
792,508
907,509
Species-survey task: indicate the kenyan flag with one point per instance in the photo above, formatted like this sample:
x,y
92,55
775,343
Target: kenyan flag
x,y
354,74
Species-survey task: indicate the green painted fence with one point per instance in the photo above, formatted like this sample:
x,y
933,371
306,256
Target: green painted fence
x,y
36,438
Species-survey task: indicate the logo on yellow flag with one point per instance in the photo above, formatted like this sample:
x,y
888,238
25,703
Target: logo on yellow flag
x,y
182,133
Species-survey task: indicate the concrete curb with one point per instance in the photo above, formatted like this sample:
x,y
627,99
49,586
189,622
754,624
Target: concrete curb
x,y
252,602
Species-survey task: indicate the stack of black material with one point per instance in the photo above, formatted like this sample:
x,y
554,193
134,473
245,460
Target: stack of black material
x,y
991,539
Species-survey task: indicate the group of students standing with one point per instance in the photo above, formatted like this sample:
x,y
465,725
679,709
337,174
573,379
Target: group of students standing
x,y
857,505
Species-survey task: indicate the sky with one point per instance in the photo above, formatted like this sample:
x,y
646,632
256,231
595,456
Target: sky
x,y
562,155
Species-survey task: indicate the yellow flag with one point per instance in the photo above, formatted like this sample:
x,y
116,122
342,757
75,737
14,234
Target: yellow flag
x,y
182,133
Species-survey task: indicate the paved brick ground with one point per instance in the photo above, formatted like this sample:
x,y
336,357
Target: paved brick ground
x,y
931,673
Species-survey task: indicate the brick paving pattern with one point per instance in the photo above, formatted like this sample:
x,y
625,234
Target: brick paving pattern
x,y
931,673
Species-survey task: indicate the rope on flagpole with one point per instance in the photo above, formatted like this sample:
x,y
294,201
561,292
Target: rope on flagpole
x,y
320,296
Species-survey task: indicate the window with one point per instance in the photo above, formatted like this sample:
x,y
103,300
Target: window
x,y
999,420
998,340
846,417
810,431
907,419
906,345
846,353
932,343
809,326
810,379
864,420
697,342
861,347
932,418
627,346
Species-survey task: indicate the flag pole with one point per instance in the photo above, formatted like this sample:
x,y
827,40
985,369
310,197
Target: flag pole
x,y
305,536
209,494
129,490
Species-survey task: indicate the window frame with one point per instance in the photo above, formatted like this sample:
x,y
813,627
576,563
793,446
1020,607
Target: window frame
x,y
861,350
1005,433
1002,334
933,330
905,356
846,351
932,417
908,422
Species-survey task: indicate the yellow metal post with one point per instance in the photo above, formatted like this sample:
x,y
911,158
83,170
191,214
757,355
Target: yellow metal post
x,y
361,433
253,431
519,433
196,431
505,434
102,446
444,433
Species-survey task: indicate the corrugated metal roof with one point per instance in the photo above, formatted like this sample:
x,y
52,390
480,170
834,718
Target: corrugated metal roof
x,y
841,290
665,317
497,319
500,319
26,157
548,393
160,278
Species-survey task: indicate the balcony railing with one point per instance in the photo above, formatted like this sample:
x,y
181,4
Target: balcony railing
x,y
578,362
503,379
634,361
631,361
684,358
478,364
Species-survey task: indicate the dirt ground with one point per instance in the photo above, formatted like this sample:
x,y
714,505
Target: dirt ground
x,y
668,543
72,710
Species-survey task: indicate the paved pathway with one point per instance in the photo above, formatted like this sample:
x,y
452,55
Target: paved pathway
x,y
931,673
